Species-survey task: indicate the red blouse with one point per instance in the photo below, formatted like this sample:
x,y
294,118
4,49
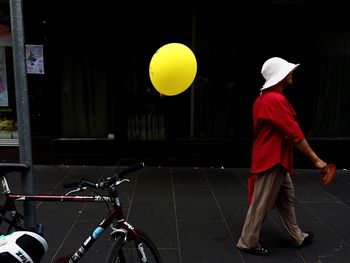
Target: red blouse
x,y
275,130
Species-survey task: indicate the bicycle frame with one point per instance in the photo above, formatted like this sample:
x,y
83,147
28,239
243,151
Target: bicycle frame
x,y
116,213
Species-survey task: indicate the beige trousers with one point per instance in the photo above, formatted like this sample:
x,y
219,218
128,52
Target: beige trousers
x,y
273,189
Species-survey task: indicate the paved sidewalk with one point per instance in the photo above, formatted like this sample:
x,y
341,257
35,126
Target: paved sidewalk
x,y
196,214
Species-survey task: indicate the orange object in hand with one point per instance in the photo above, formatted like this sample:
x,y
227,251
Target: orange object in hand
x,y
328,173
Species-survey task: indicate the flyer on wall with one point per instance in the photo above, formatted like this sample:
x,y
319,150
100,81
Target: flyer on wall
x,y
35,59
3,81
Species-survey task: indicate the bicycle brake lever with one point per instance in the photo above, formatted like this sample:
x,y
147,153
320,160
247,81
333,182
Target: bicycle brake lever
x,y
121,181
76,190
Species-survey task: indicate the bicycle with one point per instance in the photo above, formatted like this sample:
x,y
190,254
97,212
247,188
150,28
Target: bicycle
x,y
129,244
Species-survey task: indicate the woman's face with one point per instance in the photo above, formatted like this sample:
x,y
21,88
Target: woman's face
x,y
288,80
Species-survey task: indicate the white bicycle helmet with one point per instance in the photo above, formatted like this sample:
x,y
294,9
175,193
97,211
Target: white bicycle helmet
x,y
22,246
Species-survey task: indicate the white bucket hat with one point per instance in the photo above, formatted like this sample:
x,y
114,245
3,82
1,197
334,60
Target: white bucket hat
x,y
276,69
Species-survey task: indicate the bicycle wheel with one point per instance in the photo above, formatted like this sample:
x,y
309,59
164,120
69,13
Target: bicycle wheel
x,y
127,252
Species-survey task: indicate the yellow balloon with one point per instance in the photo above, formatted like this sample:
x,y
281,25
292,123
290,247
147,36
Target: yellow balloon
x,y
172,69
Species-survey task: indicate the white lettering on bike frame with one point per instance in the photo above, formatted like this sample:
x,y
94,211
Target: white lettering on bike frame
x,y
117,201
142,252
129,226
102,198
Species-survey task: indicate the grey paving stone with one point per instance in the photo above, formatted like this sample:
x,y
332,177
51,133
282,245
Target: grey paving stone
x,y
195,214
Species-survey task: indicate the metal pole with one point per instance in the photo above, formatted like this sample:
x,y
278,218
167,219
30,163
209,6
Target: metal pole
x,y
22,106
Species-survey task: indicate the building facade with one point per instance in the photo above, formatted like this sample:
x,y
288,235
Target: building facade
x,y
92,102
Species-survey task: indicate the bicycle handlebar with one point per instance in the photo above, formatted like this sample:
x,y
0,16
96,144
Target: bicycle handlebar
x,y
130,169
107,182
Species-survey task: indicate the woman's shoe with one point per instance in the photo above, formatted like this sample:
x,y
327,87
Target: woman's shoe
x,y
258,251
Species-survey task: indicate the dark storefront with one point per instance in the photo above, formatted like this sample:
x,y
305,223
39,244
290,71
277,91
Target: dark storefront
x,y
95,103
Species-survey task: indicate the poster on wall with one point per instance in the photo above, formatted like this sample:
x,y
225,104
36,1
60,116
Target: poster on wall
x,y
5,22
35,59
4,101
